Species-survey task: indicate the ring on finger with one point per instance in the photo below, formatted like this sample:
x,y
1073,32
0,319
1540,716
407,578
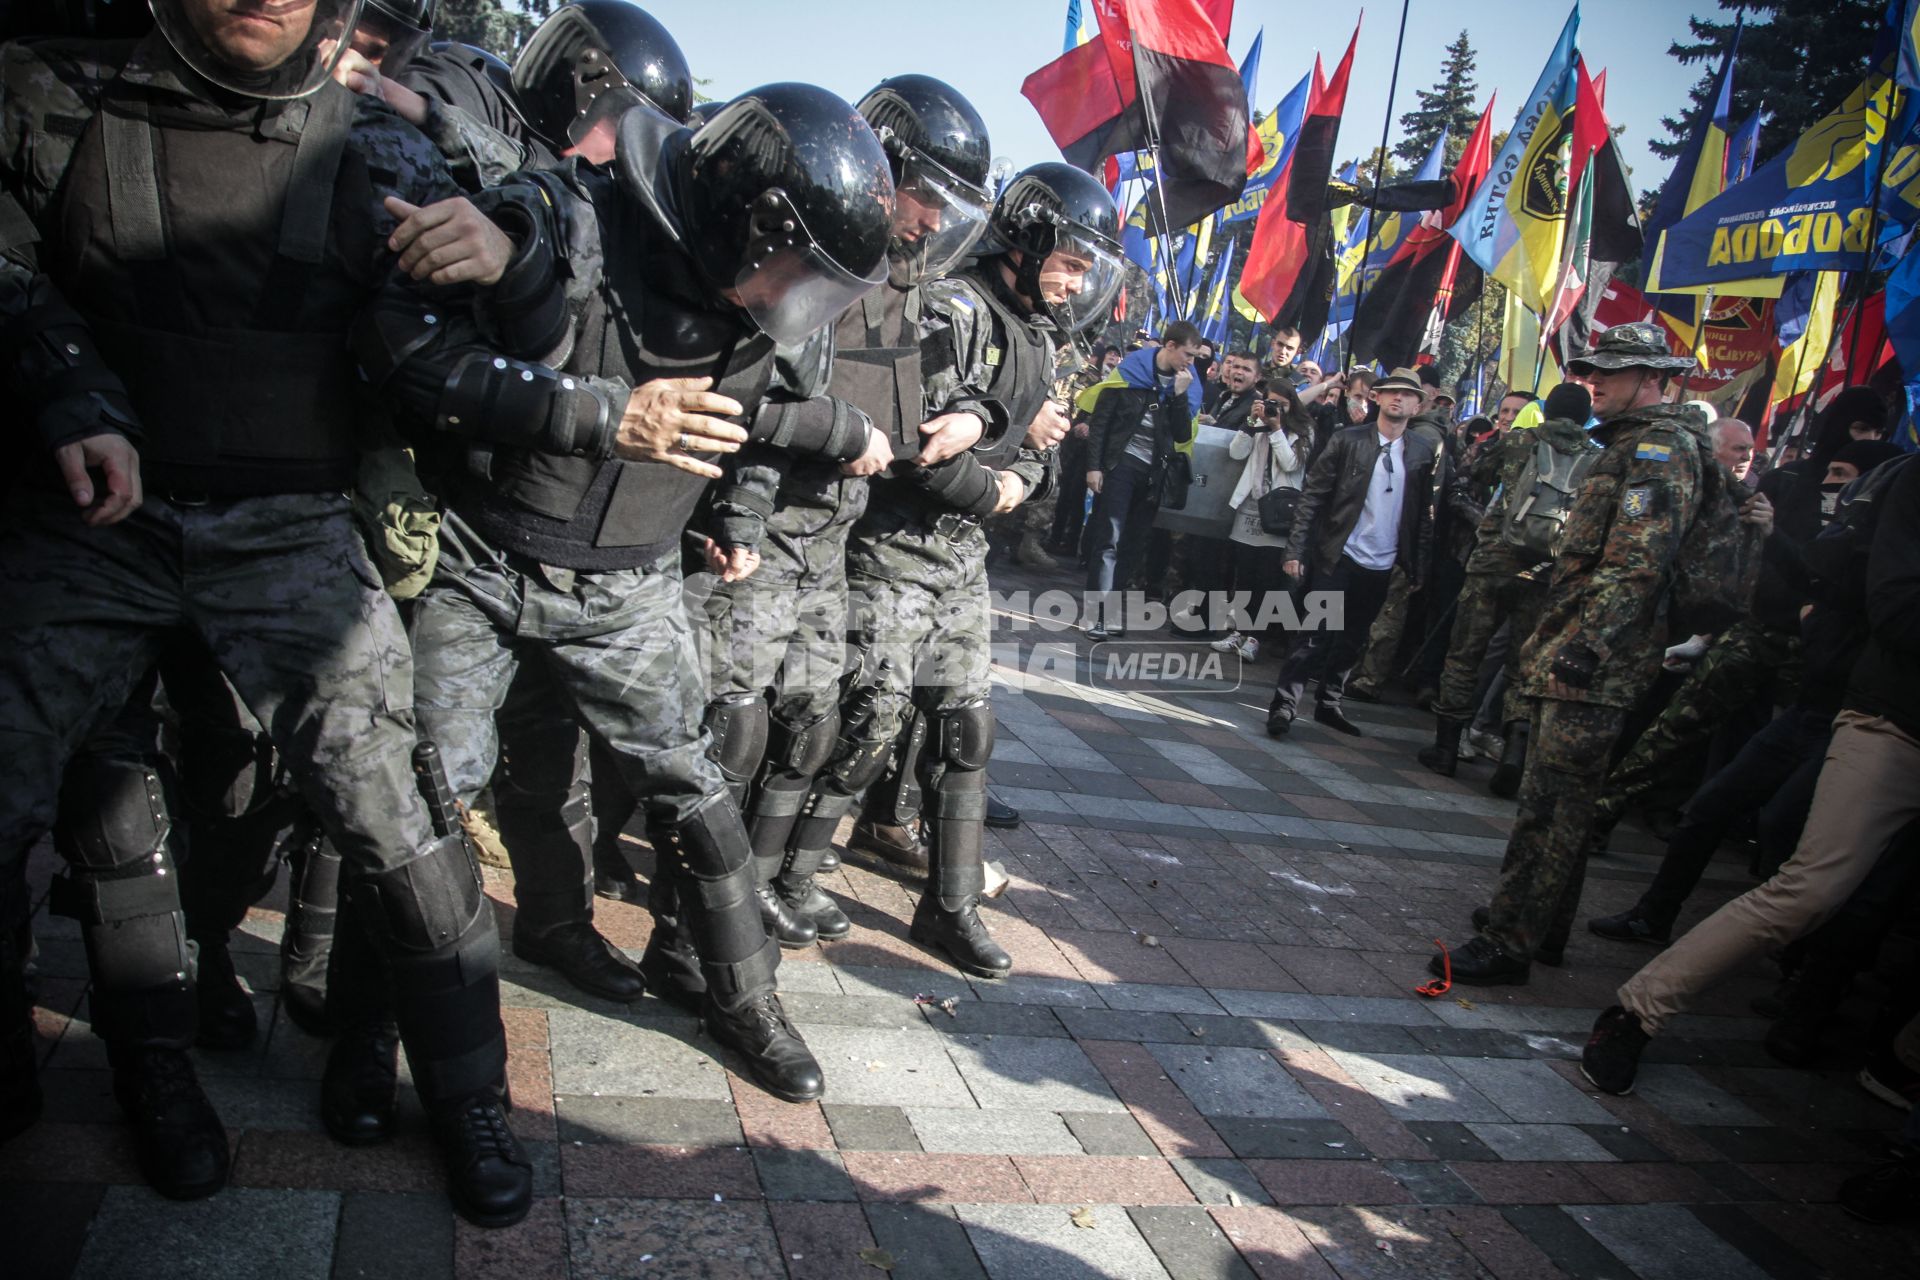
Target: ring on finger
x,y
685,441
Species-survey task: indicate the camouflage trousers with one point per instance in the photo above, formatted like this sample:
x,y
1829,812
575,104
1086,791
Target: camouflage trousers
x,y
281,592
1485,602
1732,673
516,659
1539,891
1383,640
782,632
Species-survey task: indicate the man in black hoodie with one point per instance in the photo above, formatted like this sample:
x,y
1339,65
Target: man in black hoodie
x,y
1865,797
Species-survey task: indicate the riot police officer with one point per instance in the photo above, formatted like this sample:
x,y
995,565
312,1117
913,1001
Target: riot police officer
x,y
567,490
170,329
917,559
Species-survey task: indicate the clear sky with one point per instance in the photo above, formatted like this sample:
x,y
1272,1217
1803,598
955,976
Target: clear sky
x,y
985,48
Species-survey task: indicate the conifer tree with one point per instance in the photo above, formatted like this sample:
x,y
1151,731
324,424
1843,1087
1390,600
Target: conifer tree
x,y
1451,107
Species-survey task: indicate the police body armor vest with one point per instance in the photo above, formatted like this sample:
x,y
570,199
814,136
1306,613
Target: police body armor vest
x,y
634,327
1020,365
876,364
201,249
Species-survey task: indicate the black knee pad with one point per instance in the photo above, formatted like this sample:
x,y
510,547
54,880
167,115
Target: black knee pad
x,y
424,905
803,749
962,737
706,849
540,764
112,815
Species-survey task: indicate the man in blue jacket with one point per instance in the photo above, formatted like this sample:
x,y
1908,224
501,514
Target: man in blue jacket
x,y
1136,429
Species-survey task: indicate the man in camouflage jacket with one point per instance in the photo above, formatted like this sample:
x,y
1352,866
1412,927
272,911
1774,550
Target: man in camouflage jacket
x,y
1598,646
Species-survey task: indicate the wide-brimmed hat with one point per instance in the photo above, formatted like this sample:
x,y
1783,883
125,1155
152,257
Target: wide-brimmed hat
x,y
1631,346
1401,380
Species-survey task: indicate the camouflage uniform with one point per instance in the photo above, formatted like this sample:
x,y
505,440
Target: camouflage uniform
x,y
1603,612
259,557
1728,677
1503,585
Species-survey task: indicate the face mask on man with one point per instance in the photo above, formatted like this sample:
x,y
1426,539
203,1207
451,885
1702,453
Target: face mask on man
x,y
1830,500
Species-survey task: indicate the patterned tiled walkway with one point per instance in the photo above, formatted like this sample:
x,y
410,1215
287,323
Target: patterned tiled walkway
x,y
1210,1064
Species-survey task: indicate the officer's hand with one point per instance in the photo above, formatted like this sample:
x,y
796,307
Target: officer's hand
x,y
448,242
1758,512
1094,481
668,420
1049,427
877,457
118,460
948,436
356,73
731,564
1013,491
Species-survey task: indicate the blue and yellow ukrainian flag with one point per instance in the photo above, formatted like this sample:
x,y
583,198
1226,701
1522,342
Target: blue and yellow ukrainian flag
x,y
1079,24
1698,176
1803,321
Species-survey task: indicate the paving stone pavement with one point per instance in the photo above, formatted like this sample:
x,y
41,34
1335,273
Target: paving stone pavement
x,y
1210,1064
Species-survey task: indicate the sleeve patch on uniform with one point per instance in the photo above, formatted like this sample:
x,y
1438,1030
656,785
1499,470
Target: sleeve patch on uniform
x,y
1651,452
1638,500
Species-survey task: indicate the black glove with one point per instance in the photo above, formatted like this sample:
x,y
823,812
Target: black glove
x,y
1574,666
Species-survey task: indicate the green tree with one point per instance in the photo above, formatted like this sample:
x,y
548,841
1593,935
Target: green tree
x,y
1798,59
493,25
1446,109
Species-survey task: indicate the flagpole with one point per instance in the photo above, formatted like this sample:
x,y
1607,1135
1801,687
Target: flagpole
x,y
1160,185
1379,172
1699,336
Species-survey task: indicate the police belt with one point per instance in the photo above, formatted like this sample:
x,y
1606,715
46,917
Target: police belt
x,y
953,524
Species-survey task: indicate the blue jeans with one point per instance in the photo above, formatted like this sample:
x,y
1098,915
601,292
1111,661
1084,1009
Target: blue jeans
x,y
1118,529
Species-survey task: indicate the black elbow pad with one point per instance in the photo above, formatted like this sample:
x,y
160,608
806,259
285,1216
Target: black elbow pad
x,y
528,304
496,399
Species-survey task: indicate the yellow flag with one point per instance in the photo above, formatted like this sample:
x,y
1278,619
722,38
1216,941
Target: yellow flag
x,y
1800,359
1523,363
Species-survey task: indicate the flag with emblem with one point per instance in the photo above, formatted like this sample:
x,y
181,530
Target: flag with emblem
x,y
1514,225
1278,130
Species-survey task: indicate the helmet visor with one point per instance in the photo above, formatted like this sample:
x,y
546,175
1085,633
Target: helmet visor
x,y
937,218
794,290
259,48
1082,276
387,42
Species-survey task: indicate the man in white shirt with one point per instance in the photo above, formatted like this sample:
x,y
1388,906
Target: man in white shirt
x,y
1365,505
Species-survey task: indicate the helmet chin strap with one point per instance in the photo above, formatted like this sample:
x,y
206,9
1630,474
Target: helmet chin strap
x,y
1026,282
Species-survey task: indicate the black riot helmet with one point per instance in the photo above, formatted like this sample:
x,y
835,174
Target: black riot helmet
x,y
291,59
391,33
1055,208
703,112
938,147
786,202
591,61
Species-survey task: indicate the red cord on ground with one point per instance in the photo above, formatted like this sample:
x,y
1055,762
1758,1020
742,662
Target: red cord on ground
x,y
1443,984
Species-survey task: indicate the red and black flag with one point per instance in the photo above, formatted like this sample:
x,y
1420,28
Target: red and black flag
x,y
1160,71
1289,271
1392,320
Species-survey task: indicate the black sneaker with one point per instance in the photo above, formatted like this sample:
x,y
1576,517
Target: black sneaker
x,y
1630,926
1482,962
489,1176
1612,1056
178,1140
1885,1194
1278,723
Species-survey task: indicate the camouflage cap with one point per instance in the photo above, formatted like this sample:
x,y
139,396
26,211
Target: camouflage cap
x,y
1631,346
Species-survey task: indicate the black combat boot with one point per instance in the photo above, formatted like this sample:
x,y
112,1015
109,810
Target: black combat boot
x,y
357,1092
805,898
227,1018
670,964
756,1028
178,1140
898,845
1505,781
306,944
583,957
612,875
962,935
489,1175
784,925
1001,816
1443,757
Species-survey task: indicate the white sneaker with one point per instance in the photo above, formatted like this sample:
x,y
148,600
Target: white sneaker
x,y
1229,643
1249,648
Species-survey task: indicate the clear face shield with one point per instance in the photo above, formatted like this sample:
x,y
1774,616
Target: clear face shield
x,y
273,49
1082,276
937,217
789,285
387,42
